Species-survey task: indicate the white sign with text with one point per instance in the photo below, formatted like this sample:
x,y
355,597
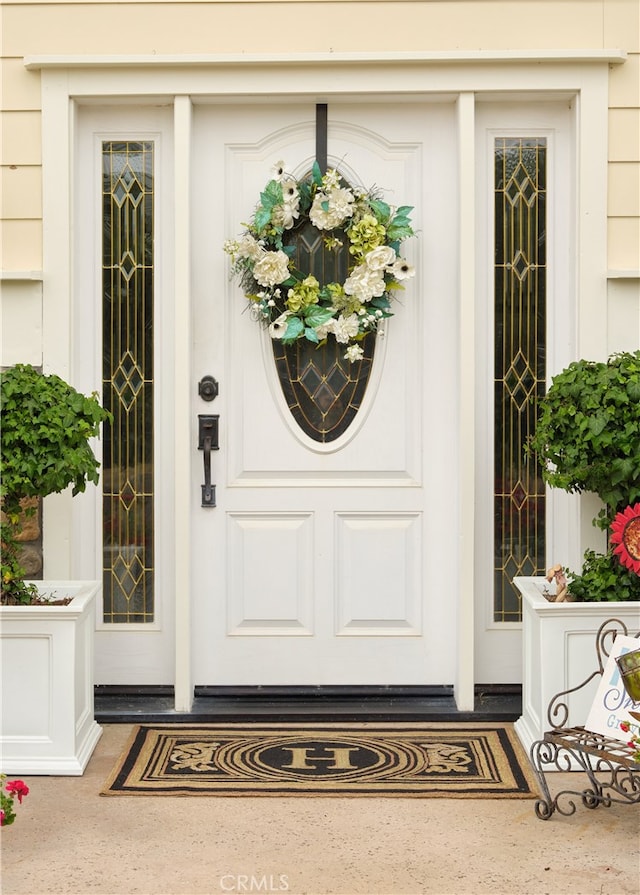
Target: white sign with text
x,y
612,704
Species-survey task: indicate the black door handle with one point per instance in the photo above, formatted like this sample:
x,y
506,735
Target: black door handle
x,y
207,442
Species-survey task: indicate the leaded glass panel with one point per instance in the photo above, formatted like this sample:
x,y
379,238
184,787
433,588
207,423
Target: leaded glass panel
x,y
520,374
127,468
322,389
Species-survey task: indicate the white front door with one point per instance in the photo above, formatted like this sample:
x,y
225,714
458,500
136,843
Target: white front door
x,y
332,563
326,564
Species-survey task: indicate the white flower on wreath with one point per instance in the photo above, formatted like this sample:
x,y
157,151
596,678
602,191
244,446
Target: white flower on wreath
x,y
401,269
342,311
246,247
331,179
285,215
324,329
278,328
271,268
380,257
277,170
339,206
364,283
353,353
345,328
290,192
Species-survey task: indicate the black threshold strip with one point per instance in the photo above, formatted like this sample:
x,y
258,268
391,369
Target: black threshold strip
x,y
126,705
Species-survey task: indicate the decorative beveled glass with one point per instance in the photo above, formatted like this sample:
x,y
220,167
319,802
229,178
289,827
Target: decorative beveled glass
x,y
127,465
323,390
520,364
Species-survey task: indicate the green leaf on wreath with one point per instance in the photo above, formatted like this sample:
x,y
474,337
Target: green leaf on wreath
x,y
316,316
272,194
311,334
381,210
316,173
399,231
262,217
304,188
294,330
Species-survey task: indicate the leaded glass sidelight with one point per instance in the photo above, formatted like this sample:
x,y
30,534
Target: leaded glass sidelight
x,y
520,348
127,467
323,390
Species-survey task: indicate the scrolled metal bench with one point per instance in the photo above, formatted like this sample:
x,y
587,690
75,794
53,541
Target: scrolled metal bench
x,y
612,773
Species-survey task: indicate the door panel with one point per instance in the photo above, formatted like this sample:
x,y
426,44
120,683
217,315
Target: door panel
x,y
326,563
539,305
131,646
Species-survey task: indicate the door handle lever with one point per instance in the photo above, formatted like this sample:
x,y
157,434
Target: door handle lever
x,y
207,442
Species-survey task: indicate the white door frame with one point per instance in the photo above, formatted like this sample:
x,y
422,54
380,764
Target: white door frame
x,y
179,81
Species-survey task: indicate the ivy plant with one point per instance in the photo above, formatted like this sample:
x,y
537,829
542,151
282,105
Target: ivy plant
x,y
603,578
587,438
44,448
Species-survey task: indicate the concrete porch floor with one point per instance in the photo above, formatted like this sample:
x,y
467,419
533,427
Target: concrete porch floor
x,y
67,839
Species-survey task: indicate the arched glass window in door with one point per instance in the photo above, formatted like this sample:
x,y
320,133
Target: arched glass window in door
x,y
323,390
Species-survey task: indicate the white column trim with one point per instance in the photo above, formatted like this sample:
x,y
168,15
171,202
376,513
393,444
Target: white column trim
x,y
591,268
182,407
464,683
57,165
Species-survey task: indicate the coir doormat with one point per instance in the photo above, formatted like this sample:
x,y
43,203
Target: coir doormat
x,y
323,760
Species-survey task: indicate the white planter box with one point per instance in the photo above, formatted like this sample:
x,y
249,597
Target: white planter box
x,y
559,652
47,719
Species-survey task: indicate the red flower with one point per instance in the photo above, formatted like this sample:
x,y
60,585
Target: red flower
x,y
625,532
18,788
625,726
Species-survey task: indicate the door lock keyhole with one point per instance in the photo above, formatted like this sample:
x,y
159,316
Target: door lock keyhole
x,y
208,388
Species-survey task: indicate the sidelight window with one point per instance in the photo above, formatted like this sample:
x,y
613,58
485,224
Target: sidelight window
x,y
127,473
520,362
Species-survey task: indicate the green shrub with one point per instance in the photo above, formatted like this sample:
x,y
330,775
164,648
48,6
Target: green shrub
x,y
603,578
587,437
44,448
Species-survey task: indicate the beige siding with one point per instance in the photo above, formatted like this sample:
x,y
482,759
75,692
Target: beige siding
x,y
621,20
622,29
21,138
624,243
624,135
20,191
624,83
260,27
53,28
19,90
624,189
21,245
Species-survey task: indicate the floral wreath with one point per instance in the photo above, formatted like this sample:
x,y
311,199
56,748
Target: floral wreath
x,y
625,533
296,306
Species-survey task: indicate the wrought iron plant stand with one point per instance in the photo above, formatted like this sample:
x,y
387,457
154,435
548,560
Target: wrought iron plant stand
x,y
613,774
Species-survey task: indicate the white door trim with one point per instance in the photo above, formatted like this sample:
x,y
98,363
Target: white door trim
x,y
68,80
182,410
466,411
